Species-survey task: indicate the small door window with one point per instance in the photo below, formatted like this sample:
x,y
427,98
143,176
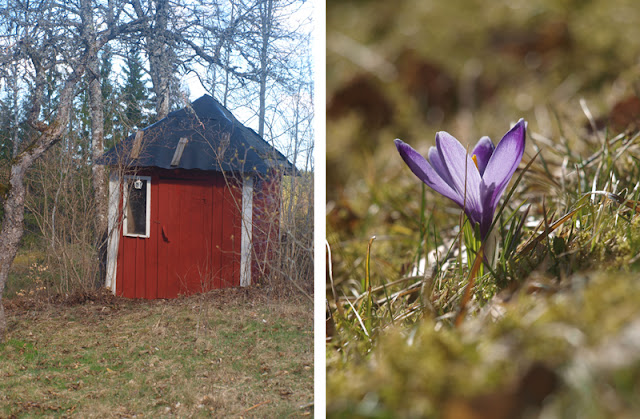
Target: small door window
x,y
137,206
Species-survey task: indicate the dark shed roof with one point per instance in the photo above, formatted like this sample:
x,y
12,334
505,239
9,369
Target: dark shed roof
x,y
215,140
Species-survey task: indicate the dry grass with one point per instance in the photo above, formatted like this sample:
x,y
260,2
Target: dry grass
x,y
227,353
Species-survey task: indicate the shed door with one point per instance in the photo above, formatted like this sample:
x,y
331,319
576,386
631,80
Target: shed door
x,y
185,237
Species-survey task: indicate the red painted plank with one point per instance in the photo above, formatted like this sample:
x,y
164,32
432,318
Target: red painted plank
x,y
184,258
151,245
141,266
163,238
195,261
188,220
216,230
129,266
192,229
197,243
207,227
173,253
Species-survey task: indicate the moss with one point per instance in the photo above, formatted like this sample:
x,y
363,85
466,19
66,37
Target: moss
x,y
415,372
4,190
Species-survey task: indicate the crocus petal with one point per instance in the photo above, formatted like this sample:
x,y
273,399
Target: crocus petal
x,y
505,160
438,166
462,171
483,151
488,209
423,170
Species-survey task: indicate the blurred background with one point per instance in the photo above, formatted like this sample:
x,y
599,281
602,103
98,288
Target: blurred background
x,y
407,69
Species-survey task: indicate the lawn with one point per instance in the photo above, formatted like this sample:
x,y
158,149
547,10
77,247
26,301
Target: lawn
x,y
227,353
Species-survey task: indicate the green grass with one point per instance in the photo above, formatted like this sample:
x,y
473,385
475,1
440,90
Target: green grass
x,y
224,354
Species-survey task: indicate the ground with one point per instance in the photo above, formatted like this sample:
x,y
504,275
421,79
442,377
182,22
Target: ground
x,y
227,353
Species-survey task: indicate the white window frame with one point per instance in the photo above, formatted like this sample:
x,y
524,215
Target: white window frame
x,y
125,196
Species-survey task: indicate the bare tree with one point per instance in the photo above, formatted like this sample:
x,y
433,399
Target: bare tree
x,y
14,88
158,36
41,37
99,176
269,48
190,35
266,30
218,31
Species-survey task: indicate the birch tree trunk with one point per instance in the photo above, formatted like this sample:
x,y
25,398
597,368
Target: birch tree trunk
x,y
12,224
97,149
160,55
15,90
96,112
266,17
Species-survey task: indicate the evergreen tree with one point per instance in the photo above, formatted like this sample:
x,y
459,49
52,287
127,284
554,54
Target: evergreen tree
x,y
83,116
135,94
7,128
51,94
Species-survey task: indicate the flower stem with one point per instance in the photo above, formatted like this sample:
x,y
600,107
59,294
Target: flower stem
x,y
467,292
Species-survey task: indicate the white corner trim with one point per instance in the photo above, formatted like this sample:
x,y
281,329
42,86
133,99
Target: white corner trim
x,y
114,231
247,229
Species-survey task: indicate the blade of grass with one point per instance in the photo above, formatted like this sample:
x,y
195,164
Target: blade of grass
x,y
548,230
367,285
512,190
330,274
618,199
357,316
386,294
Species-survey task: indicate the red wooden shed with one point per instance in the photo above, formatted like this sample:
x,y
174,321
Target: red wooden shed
x,y
194,204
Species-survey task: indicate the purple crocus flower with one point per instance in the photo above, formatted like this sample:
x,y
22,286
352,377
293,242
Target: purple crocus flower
x,y
485,173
